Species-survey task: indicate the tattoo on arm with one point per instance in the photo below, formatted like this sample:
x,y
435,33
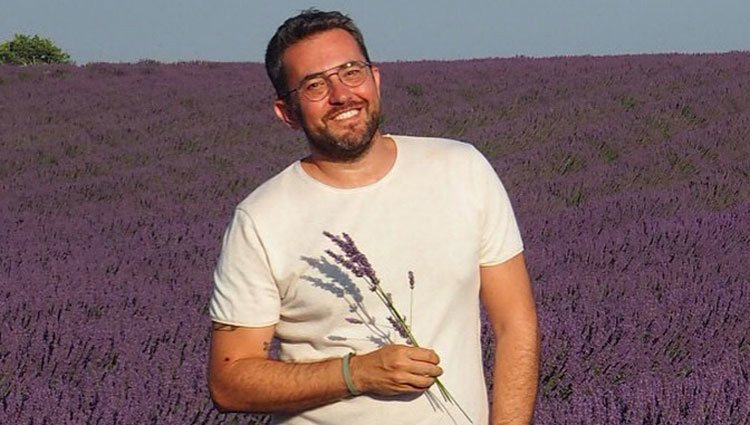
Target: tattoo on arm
x,y
216,326
224,327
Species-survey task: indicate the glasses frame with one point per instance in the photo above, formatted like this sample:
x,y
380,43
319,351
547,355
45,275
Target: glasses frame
x,y
326,76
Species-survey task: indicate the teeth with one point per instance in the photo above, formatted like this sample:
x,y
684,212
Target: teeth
x,y
345,115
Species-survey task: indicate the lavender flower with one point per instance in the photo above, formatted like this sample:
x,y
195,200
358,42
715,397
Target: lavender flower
x,y
402,330
353,260
654,154
356,262
411,297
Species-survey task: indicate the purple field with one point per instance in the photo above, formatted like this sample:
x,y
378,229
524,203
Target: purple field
x,y
629,177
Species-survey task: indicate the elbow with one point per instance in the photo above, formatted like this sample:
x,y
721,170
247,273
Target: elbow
x,y
228,400
225,399
219,399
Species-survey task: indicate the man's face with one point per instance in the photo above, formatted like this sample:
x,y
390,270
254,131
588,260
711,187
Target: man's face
x,y
342,125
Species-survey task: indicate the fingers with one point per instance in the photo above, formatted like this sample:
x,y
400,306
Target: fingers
x,y
419,361
423,355
425,369
396,369
413,383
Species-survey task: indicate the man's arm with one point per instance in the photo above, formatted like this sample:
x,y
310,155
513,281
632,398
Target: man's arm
x,y
241,377
508,298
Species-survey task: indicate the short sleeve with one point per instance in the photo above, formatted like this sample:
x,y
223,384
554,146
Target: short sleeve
x,y
245,292
500,235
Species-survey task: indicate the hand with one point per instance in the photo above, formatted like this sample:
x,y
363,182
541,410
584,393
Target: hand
x,y
395,369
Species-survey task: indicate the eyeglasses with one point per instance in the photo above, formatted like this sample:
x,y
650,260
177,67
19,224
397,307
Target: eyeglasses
x,y
317,86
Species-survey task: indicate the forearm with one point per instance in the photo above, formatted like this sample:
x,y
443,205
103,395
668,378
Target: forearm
x,y
515,378
262,385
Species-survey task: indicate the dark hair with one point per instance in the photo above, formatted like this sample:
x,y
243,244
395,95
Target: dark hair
x,y
297,28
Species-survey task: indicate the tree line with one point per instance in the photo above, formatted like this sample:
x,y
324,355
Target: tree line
x,y
29,50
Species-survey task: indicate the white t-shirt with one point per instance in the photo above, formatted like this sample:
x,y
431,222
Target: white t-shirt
x,y
440,212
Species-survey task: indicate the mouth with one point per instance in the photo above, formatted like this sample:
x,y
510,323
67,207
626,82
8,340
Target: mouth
x,y
346,115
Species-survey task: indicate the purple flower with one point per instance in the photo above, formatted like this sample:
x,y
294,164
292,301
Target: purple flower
x,y
401,329
356,262
353,259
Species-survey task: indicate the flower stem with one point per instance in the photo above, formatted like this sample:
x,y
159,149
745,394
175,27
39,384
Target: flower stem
x,y
392,308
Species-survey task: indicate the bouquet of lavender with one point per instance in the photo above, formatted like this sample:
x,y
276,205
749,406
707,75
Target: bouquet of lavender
x,y
356,262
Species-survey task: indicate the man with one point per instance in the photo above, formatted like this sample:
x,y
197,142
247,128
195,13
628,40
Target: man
x,y
433,207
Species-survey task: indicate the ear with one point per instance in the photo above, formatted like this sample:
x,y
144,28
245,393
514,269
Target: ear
x,y
285,113
376,76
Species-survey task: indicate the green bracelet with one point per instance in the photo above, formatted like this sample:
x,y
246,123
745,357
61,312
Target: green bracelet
x,y
348,375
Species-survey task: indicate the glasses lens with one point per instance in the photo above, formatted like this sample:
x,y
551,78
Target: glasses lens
x,y
353,74
315,88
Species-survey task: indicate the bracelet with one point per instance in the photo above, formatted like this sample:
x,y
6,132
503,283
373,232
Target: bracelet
x,y
348,375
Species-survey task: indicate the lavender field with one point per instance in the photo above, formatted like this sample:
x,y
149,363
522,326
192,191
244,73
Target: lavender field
x,y
629,176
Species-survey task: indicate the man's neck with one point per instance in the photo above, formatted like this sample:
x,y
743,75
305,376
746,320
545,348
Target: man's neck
x,y
371,167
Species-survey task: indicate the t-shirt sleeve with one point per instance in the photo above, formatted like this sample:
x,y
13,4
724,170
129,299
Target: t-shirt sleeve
x,y
500,235
245,292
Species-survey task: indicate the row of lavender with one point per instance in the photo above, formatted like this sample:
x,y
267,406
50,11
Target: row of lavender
x,y
629,176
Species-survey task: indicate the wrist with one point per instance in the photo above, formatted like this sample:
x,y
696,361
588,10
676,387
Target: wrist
x,y
346,371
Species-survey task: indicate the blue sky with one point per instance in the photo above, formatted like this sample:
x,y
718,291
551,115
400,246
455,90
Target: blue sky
x,y
238,30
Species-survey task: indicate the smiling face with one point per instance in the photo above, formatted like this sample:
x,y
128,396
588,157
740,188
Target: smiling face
x,y
342,125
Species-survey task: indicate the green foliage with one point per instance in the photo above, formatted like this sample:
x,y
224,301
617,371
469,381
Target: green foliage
x,y
628,103
28,50
570,163
608,152
415,90
690,116
574,198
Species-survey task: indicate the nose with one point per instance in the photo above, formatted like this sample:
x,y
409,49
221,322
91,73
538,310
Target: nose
x,y
340,92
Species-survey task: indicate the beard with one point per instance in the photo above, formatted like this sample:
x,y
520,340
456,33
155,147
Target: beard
x,y
345,147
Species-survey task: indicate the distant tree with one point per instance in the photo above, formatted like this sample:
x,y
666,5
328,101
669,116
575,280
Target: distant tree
x,y
28,50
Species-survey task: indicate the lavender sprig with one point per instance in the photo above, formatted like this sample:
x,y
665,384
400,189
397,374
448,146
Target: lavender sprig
x,y
356,262
411,298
